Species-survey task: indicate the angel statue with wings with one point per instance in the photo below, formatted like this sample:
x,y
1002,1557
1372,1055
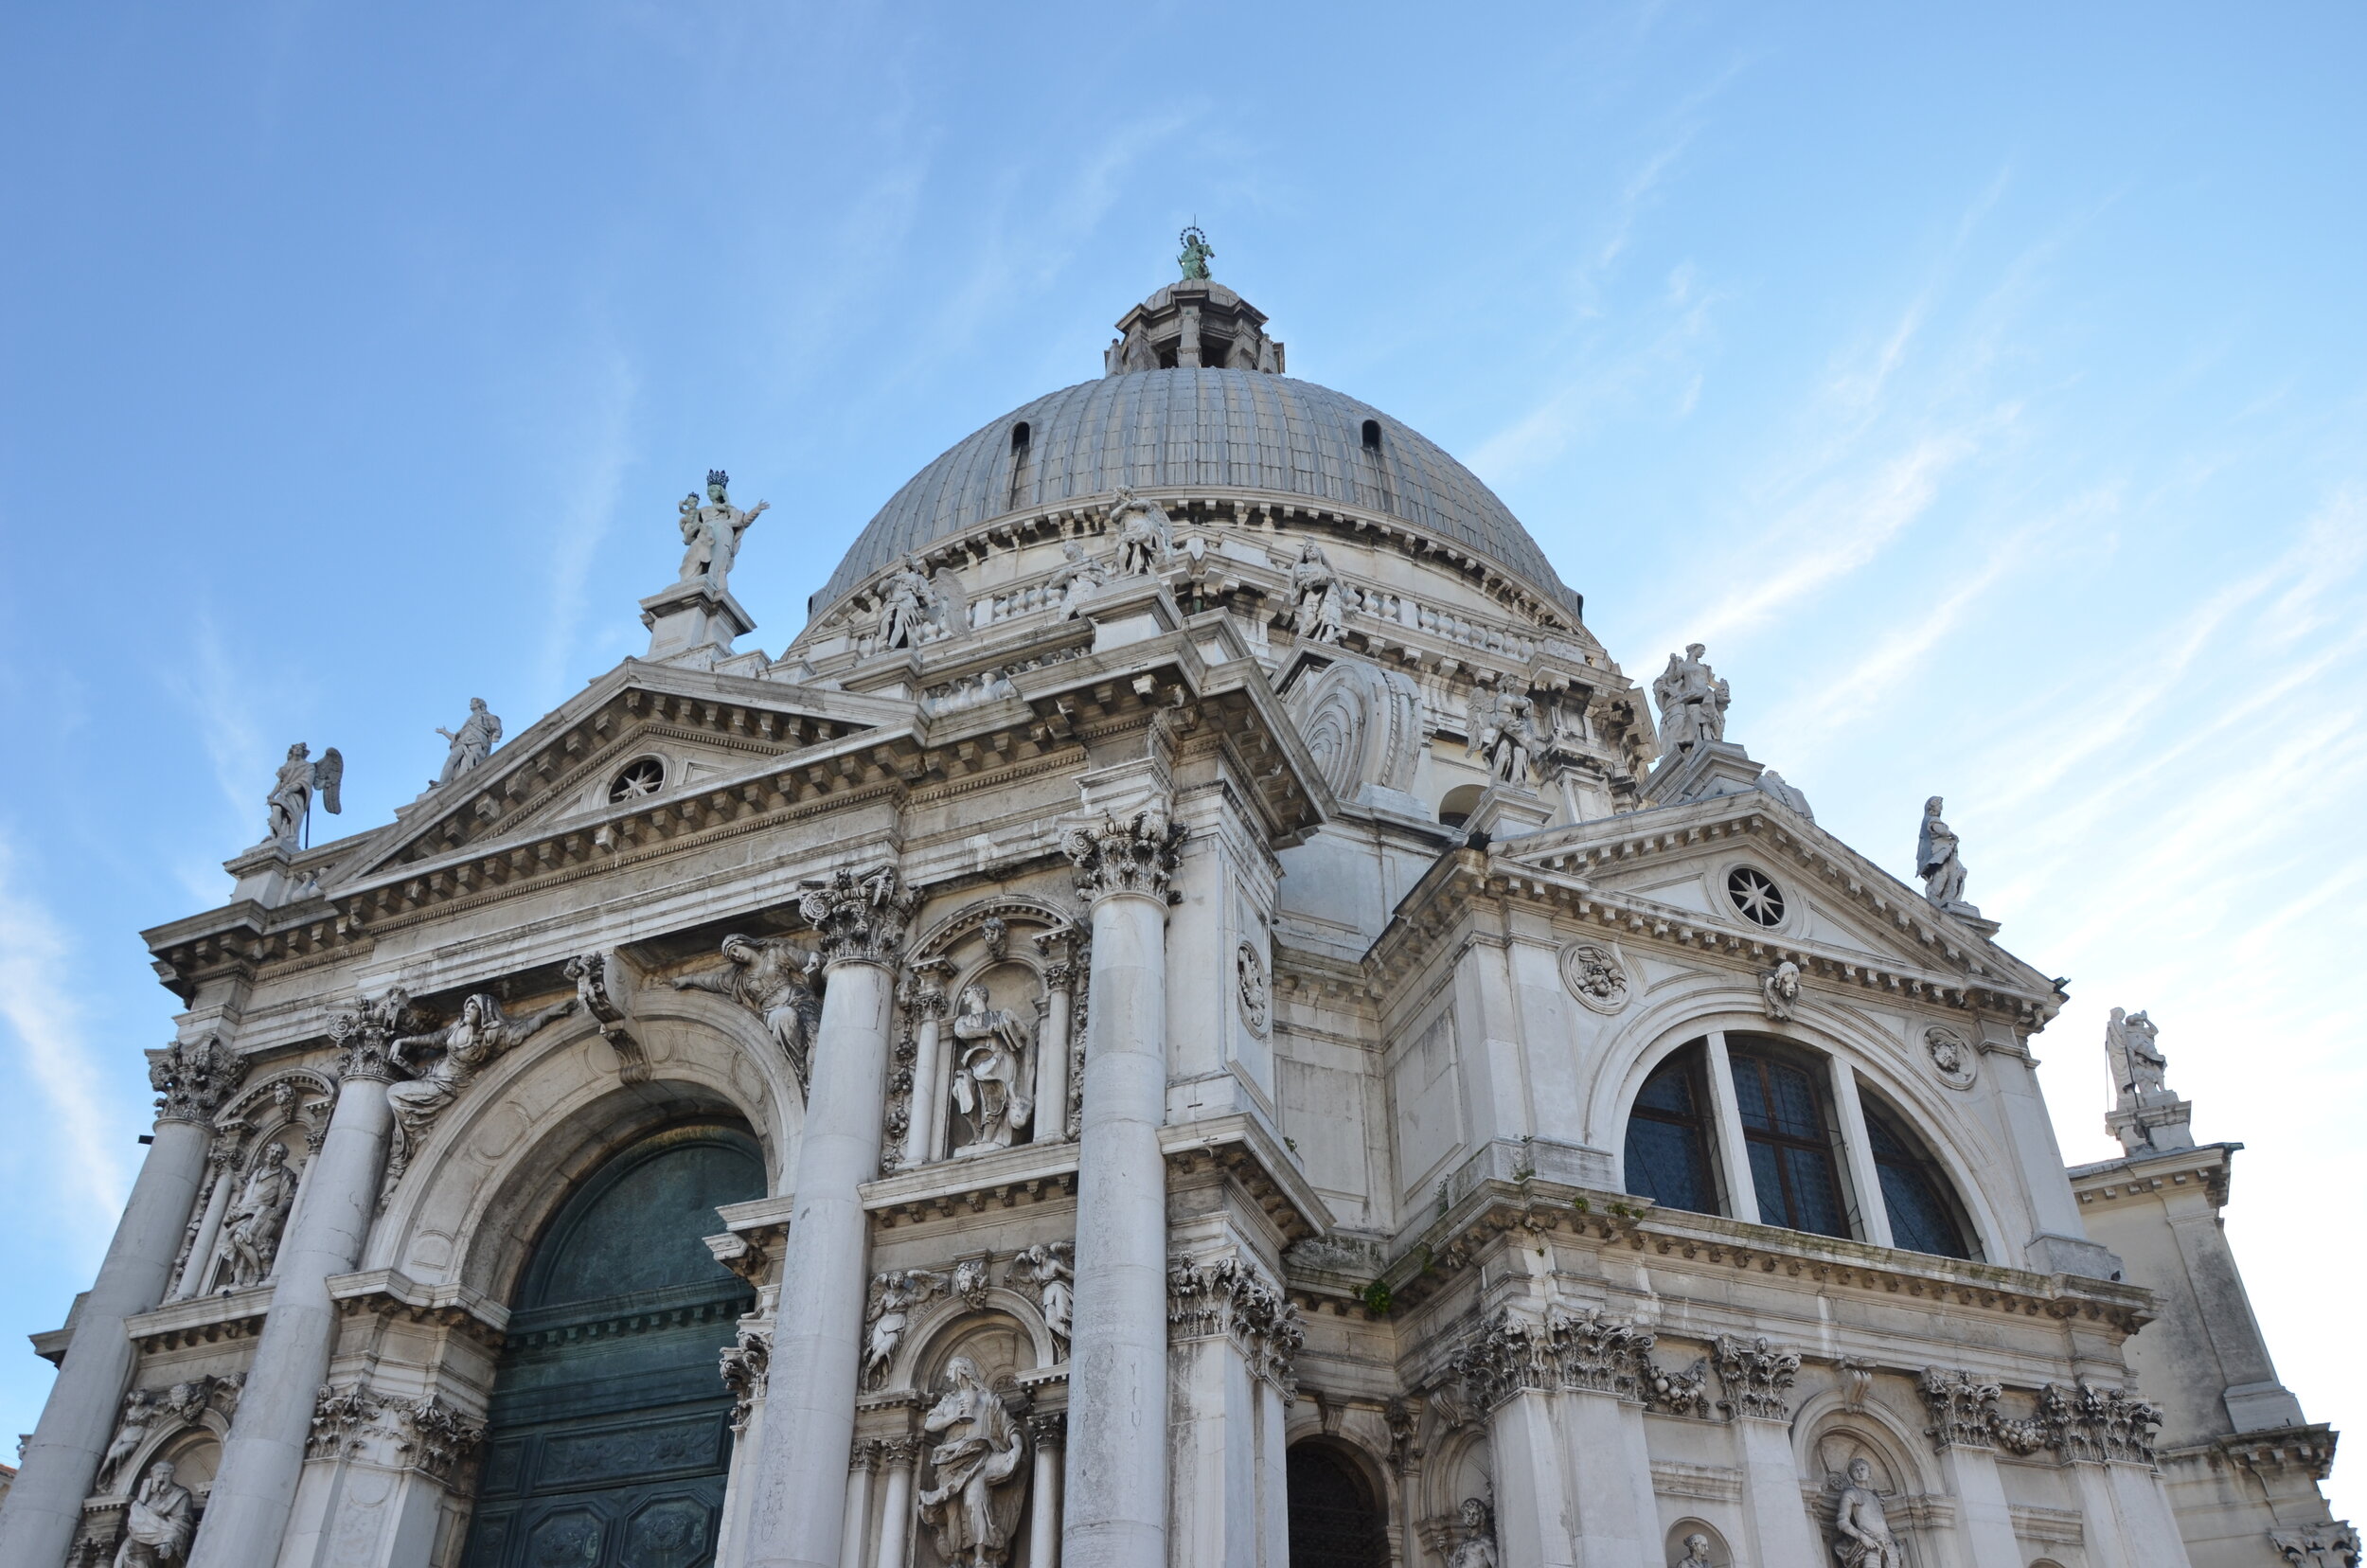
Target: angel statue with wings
x,y
291,794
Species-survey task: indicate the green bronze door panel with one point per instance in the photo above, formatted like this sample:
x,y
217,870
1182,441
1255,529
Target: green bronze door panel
x,y
610,1431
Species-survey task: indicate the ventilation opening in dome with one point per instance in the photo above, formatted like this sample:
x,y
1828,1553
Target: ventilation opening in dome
x,y
1022,470
1372,435
1019,436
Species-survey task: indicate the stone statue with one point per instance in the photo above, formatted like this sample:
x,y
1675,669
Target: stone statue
x,y
1937,860
976,1464
139,1414
472,743
468,1044
250,1231
291,794
1696,1552
908,607
1477,1549
1503,731
1865,1534
773,979
1779,988
992,1068
894,1296
1692,701
2139,1068
158,1527
1078,575
1315,588
710,533
1047,1266
1144,535
1197,252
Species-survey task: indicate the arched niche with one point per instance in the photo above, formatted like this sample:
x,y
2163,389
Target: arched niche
x,y
609,1433
940,1331
1338,1506
1674,1547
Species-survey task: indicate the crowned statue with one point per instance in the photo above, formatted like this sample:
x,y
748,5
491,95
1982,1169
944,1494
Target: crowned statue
x,y
710,533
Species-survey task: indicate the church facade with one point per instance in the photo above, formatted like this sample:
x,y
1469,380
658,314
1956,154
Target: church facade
x,y
1193,1016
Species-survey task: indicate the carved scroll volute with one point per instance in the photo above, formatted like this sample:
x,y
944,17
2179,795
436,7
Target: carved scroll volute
x,y
605,985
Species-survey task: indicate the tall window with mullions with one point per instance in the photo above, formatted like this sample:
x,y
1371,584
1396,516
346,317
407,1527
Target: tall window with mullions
x,y
1925,1214
1668,1136
1788,1130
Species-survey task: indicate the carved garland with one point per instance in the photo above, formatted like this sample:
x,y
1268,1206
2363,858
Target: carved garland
x,y
1582,1351
2082,1422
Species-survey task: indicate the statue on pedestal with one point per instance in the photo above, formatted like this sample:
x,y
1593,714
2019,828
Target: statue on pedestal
x,y
1937,861
1503,731
291,802
992,1070
1692,701
251,1230
978,1490
1144,535
2139,1068
908,607
472,743
1196,254
1315,588
710,533
1078,575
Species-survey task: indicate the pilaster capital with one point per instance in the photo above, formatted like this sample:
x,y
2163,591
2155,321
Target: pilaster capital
x,y
364,1037
859,917
1230,1297
1136,855
1757,1377
899,1452
1963,1408
1047,1427
2098,1425
864,1458
193,1077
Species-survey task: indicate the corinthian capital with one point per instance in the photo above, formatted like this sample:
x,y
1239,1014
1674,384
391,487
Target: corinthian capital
x,y
365,1036
1134,855
859,915
192,1078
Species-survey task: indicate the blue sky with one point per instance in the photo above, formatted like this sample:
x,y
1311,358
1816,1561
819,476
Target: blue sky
x,y
1986,391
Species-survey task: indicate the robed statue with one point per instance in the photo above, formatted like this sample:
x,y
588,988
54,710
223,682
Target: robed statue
x,y
1692,701
472,743
291,802
773,979
976,1500
251,1230
464,1047
991,1071
1937,861
1315,594
158,1527
710,533
1197,253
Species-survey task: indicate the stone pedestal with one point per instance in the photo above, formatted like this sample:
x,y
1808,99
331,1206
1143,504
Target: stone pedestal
x,y
693,617
247,1515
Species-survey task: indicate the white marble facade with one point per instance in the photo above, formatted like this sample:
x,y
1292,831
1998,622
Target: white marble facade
x,y
1192,930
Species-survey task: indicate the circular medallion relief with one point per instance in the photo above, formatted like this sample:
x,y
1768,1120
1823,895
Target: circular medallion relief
x,y
1250,971
1595,976
1951,1057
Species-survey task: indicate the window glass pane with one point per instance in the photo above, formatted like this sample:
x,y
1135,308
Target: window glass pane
x,y
1665,1164
1751,1092
1669,1089
1919,1217
1885,1142
1796,1111
1815,1195
1768,1176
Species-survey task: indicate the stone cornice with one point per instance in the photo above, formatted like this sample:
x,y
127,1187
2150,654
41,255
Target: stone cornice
x,y
1431,914
950,1189
388,1294
1537,1209
1241,1147
202,1320
2207,1168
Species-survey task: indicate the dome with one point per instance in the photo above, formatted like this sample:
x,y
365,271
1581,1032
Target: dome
x,y
1197,430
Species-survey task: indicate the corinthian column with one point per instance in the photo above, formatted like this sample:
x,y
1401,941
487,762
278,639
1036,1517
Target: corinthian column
x,y
1116,1507
809,1412
256,1489
45,1506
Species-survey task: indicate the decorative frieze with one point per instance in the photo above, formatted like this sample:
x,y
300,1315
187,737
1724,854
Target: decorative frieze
x,y
2331,1544
1757,1377
858,917
193,1077
743,1367
1230,1298
1138,855
2098,1425
1582,1352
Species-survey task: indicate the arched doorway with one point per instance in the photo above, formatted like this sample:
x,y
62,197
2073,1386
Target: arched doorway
x,y
610,1430
1337,1516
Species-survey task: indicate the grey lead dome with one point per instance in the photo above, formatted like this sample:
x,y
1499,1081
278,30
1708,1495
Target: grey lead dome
x,y
1196,429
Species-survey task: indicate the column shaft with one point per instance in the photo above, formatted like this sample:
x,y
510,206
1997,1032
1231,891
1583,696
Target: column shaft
x,y
1052,1064
858,1523
921,1113
896,1515
248,1512
45,1506
1043,1528
1118,1450
209,1232
810,1406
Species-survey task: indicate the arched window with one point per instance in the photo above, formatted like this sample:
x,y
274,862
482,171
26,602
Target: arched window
x,y
1925,1215
1787,1129
610,1431
1372,436
1023,471
1668,1136
1337,1519
1456,805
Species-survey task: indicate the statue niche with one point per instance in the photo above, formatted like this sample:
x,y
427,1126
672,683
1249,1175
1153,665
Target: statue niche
x,y
995,1067
973,1484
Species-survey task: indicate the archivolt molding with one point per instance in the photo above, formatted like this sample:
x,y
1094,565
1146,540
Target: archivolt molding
x,y
1013,909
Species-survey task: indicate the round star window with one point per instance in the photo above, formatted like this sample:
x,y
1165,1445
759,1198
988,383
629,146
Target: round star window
x,y
642,778
1756,896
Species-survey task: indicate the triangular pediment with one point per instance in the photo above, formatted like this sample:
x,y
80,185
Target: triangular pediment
x,y
643,734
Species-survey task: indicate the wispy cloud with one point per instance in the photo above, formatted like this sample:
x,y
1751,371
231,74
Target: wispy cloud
x,y
38,1006
592,451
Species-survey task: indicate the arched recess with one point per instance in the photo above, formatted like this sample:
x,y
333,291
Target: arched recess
x,y
608,1431
1339,1512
